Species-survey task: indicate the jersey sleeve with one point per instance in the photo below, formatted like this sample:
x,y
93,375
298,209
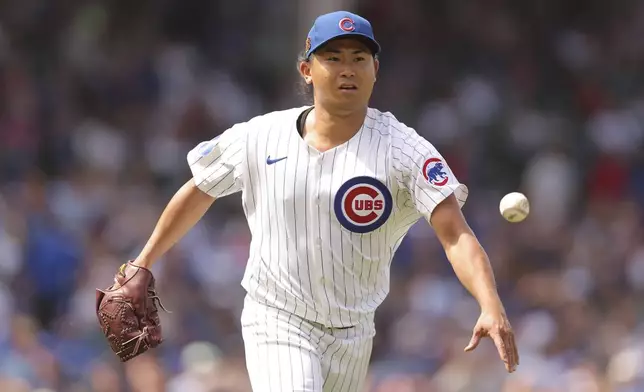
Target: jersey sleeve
x,y
217,164
426,174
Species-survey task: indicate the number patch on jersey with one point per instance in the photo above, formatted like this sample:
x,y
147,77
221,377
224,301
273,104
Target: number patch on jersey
x,y
363,204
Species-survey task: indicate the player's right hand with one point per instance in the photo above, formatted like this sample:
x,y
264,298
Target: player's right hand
x,y
495,325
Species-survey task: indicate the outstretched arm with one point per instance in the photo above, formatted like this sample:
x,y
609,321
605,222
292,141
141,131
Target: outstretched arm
x,y
127,310
465,253
185,209
216,167
472,267
436,194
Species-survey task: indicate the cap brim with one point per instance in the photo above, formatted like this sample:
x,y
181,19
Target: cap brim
x,y
367,40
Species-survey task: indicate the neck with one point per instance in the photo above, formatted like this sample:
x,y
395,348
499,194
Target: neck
x,y
333,125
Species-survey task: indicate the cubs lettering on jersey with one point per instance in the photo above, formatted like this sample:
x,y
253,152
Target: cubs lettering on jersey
x,y
362,204
324,225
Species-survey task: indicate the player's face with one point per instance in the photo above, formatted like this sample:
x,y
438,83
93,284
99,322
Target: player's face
x,y
343,73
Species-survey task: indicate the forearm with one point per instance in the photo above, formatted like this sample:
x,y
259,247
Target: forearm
x,y
473,269
183,211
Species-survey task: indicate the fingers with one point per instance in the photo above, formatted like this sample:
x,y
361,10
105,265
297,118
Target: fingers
x,y
501,347
510,352
503,338
474,342
504,341
513,345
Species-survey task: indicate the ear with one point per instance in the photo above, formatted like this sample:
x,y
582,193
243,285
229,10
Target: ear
x,y
376,66
305,71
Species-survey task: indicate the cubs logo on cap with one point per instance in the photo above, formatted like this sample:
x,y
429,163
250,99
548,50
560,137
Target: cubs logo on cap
x,y
434,171
346,24
341,24
362,204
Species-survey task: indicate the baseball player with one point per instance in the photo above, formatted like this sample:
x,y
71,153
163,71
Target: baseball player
x,y
329,192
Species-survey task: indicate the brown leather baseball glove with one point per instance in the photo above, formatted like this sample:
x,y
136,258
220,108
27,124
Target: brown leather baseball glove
x,y
127,312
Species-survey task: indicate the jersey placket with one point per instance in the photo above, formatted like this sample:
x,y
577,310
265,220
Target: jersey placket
x,y
315,240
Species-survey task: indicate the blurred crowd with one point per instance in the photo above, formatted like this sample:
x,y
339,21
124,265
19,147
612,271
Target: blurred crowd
x,y
100,102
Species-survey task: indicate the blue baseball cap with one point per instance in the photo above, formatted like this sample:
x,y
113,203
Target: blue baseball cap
x,y
340,24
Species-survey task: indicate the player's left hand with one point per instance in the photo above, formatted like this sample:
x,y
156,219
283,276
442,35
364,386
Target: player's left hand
x,y
127,312
495,325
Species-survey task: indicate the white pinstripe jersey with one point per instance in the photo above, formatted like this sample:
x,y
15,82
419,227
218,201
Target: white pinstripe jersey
x,y
324,226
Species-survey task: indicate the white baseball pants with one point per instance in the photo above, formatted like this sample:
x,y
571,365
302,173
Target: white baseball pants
x,y
286,353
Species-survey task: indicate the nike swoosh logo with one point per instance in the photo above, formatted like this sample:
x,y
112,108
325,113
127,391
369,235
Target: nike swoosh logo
x,y
270,161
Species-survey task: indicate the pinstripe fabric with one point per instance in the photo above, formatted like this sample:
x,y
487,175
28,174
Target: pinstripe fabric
x,y
324,226
286,353
302,259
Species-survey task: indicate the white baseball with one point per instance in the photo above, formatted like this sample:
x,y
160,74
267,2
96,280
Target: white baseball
x,y
514,207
